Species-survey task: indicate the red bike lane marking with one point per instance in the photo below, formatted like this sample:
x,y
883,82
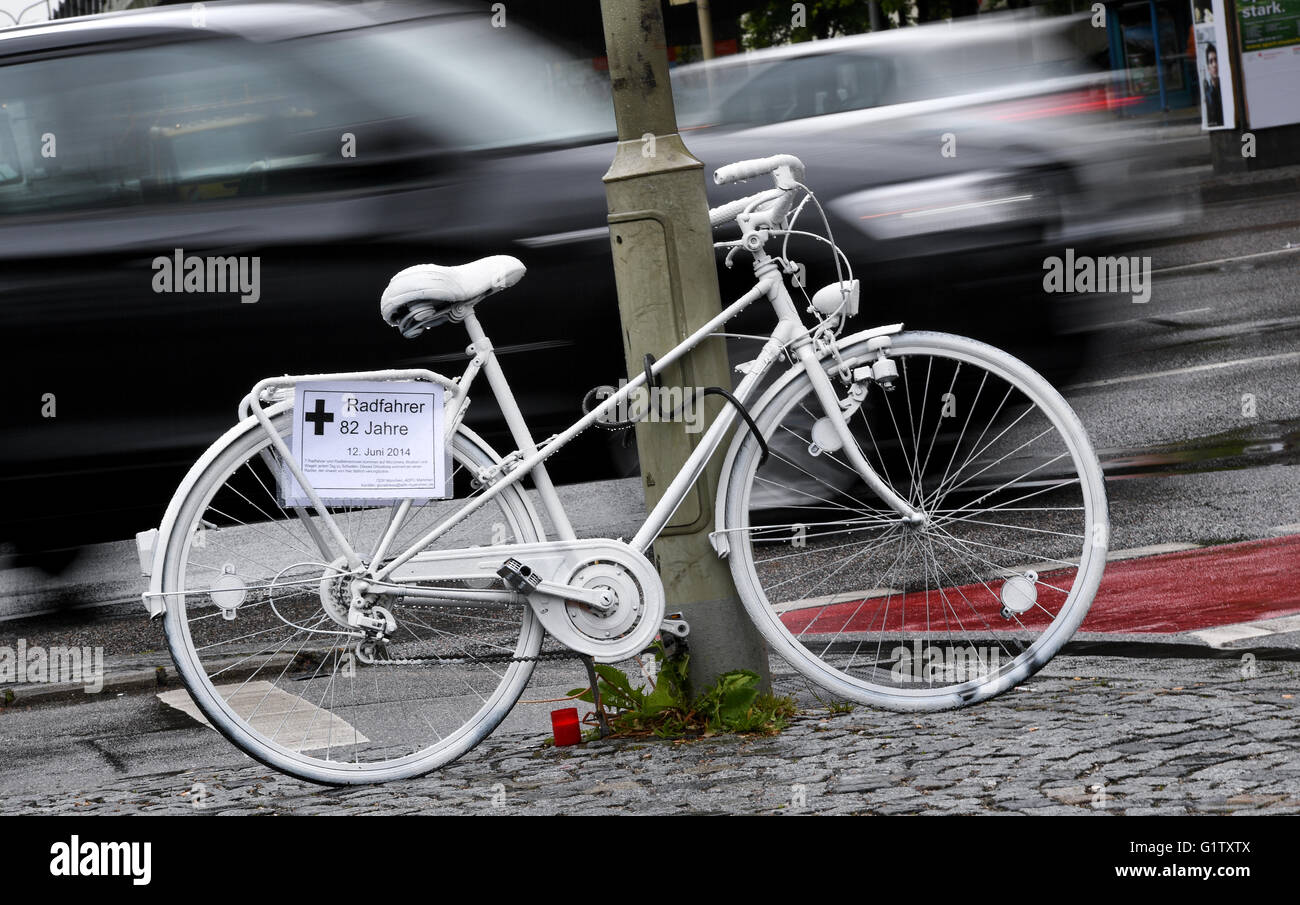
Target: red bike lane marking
x,y
1169,592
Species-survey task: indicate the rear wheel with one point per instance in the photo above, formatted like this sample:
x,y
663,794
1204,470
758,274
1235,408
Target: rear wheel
x,y
943,614
256,622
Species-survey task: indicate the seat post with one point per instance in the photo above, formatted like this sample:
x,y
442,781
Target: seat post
x,y
518,428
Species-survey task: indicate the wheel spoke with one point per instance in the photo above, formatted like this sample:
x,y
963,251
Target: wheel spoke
x,y
863,594
281,659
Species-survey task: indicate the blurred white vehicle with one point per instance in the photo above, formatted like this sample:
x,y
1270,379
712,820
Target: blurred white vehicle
x,y
1014,83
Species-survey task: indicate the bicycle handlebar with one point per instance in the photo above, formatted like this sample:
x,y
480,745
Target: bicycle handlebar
x,y
748,169
732,209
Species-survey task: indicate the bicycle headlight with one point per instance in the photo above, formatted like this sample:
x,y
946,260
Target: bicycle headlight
x,y
837,298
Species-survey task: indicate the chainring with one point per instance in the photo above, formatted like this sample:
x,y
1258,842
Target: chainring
x,y
627,628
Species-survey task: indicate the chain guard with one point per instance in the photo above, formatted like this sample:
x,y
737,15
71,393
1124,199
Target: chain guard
x,y
639,606
623,632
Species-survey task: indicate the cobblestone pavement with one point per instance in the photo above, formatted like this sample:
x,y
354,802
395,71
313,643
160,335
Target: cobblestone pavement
x,y
1088,736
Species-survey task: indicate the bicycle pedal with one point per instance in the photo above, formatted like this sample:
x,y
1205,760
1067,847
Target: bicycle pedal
x,y
675,625
519,577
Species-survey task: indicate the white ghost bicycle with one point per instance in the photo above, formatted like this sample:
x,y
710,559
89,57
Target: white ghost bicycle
x,y
914,520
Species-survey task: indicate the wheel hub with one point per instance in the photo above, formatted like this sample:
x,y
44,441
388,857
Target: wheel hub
x,y
625,596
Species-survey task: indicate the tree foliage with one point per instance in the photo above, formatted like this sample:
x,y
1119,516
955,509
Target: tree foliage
x,y
775,22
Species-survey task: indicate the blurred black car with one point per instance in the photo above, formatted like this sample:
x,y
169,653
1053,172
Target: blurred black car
x,y
337,145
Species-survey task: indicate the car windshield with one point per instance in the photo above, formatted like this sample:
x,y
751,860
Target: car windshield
x,y
833,78
965,68
470,84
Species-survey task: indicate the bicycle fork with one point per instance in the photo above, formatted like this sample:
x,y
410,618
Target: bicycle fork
x,y
830,402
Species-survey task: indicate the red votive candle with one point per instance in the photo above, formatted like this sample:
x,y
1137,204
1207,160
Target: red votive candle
x,y
565,725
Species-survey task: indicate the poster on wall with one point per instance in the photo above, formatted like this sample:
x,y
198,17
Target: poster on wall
x,y
1210,34
1270,61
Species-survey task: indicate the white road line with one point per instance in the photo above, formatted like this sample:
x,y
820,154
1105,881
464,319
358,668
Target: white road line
x,y
847,597
1148,318
1226,634
1111,556
1215,263
1111,381
1152,550
1241,631
298,724
1281,624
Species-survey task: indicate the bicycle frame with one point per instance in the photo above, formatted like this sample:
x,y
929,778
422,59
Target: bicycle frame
x,y
790,337
601,598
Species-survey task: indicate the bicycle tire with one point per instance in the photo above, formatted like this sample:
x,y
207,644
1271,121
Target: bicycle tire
x,y
441,695
812,625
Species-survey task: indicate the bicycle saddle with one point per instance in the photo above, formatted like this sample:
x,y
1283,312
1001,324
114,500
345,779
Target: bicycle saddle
x,y
427,295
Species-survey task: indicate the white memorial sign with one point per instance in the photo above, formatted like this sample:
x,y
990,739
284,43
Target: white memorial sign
x,y
368,442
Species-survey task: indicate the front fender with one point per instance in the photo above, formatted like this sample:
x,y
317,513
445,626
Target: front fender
x,y
719,538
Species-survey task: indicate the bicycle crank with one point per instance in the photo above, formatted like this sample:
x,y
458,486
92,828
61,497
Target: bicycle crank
x,y
598,597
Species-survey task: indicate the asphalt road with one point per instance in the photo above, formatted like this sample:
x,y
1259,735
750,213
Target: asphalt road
x,y
1194,395
1192,400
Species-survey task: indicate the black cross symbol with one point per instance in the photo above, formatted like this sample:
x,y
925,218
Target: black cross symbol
x,y
319,418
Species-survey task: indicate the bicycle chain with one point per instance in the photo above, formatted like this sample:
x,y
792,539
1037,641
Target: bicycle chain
x,y
486,658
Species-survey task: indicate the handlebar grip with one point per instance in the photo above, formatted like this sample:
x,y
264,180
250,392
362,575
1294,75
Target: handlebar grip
x,y
732,209
748,169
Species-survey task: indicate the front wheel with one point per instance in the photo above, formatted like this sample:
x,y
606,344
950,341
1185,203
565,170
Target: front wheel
x,y
256,620
942,614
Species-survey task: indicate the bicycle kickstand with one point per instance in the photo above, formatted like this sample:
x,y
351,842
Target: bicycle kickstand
x,y
601,720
